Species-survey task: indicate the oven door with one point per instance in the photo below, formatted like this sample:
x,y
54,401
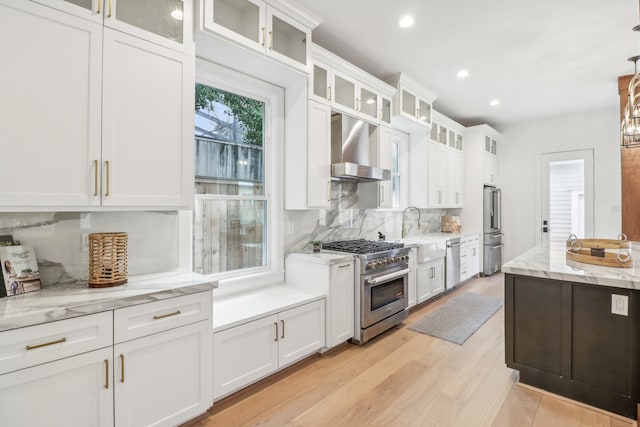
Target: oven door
x,y
383,294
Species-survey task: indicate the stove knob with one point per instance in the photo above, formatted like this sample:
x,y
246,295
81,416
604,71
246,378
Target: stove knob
x,y
371,265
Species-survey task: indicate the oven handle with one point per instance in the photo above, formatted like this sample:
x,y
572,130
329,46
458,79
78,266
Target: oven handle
x,y
387,277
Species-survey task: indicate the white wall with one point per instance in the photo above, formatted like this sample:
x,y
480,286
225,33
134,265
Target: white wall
x,y
519,171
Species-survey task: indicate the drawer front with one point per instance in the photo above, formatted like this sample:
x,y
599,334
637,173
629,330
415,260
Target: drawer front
x,y
145,319
33,345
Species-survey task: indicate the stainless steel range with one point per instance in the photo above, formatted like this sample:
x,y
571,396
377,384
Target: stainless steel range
x,y
382,274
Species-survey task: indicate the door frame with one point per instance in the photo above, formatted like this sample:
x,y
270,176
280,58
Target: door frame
x,y
543,181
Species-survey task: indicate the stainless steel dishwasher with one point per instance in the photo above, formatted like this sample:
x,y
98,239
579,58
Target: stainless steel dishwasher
x,y
452,263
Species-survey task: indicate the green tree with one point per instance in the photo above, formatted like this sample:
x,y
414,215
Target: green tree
x,y
249,112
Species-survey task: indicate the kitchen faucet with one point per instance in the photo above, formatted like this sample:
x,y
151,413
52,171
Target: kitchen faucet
x,y
403,212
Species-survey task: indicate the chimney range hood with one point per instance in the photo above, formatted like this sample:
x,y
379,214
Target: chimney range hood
x,y
350,146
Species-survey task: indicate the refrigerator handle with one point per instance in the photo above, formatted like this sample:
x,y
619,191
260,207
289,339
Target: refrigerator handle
x,y
497,209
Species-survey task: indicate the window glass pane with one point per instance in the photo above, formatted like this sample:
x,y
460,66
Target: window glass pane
x,y
566,200
229,152
394,158
229,235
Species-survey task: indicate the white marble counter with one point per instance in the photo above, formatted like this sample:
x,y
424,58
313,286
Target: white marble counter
x,y
549,261
77,299
441,236
323,257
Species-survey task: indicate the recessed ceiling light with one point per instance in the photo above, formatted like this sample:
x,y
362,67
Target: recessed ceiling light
x,y
462,74
406,21
494,102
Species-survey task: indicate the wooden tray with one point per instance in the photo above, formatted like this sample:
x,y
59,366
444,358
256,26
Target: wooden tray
x,y
580,250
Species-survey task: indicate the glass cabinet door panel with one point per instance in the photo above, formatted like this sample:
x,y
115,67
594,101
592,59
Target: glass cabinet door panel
x,y
86,4
424,111
433,133
408,103
459,142
288,40
320,82
442,135
368,103
452,139
493,146
487,144
345,92
161,17
385,115
240,16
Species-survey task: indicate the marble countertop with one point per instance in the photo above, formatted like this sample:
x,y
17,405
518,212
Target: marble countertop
x,y
441,236
322,257
549,261
59,302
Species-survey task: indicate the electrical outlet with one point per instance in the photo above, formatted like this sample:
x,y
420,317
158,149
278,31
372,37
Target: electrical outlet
x,y
292,228
620,304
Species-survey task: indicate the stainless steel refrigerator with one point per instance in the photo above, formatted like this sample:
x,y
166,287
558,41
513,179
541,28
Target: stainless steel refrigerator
x,y
492,233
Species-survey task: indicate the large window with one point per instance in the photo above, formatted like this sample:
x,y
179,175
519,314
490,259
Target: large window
x,y
231,203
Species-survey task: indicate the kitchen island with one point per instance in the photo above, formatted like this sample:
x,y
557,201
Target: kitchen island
x,y
573,328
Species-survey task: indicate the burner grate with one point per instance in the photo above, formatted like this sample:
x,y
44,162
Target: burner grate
x,y
361,246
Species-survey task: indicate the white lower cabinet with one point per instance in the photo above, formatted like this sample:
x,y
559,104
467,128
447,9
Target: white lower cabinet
x,y
469,258
72,373
75,391
161,379
430,279
248,352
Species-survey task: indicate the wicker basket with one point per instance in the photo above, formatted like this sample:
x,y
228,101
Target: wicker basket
x,y
107,259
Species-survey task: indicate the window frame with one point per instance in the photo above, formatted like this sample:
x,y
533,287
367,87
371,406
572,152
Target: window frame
x,y
214,75
401,139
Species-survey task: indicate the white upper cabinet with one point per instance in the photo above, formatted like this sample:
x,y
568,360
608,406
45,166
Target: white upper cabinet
x,y
273,28
348,89
441,183
482,141
108,124
411,101
168,22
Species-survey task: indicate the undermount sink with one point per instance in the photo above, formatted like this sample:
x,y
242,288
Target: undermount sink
x,y
429,249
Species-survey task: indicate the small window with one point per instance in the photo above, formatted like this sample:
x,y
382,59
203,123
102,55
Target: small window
x,y
399,169
231,203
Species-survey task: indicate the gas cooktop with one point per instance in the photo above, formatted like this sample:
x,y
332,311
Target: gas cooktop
x,y
361,246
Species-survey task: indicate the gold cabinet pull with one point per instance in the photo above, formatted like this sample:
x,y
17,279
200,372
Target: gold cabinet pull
x,y
33,347
264,35
99,8
162,316
110,8
282,336
95,177
106,376
122,368
276,325
270,40
106,164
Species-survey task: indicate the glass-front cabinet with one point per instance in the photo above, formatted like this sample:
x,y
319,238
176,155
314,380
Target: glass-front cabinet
x,y
385,109
345,92
368,103
411,100
165,22
257,25
409,103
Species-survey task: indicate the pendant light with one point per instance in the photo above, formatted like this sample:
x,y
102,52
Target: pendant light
x,y
630,126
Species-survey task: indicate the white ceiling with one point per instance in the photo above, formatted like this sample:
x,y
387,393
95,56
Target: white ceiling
x,y
538,57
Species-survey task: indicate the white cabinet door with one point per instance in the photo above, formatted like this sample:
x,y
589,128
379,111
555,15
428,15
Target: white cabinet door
x,y
75,391
340,310
164,22
288,41
474,257
301,332
147,147
384,161
50,106
437,279
455,181
319,156
242,21
244,354
464,262
424,276
164,379
320,88
345,93
490,164
437,176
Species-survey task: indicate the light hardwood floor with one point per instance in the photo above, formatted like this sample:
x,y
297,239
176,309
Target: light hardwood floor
x,y
404,378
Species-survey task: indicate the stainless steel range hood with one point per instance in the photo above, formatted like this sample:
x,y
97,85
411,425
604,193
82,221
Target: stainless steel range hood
x,y
351,153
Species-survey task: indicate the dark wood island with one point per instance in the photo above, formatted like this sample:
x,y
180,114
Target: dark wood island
x,y
573,328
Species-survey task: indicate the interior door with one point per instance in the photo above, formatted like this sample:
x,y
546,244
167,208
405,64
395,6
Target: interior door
x,y
566,196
